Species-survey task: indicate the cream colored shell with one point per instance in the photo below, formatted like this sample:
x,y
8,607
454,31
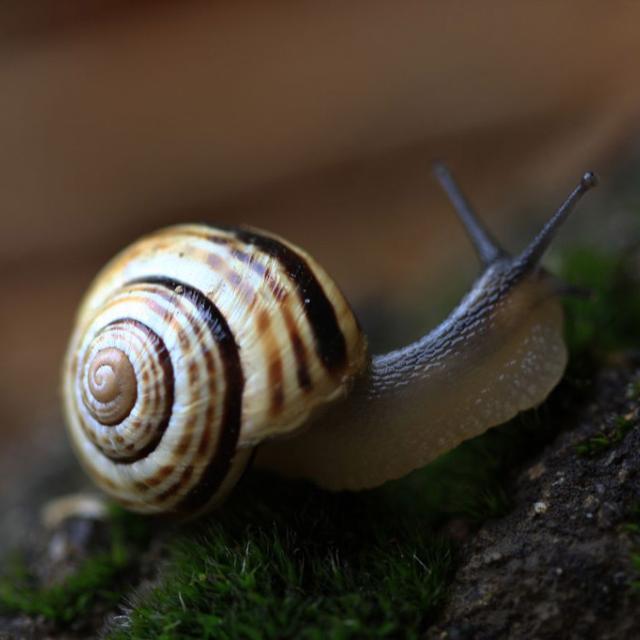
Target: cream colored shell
x,y
192,346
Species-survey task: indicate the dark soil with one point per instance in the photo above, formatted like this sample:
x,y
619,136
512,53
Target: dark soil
x,y
559,565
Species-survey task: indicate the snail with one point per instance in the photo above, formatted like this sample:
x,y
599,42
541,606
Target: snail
x,y
199,349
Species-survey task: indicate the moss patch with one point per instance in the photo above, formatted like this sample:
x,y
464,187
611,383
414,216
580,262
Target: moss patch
x,y
609,319
600,443
68,601
324,572
94,583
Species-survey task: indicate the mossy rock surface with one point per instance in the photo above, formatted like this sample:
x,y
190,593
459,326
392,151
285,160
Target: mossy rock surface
x,y
530,531
563,563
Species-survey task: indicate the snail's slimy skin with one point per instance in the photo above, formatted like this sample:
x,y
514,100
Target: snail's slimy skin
x,y
197,347
500,352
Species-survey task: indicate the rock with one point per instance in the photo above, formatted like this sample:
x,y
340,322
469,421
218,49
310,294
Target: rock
x,y
571,567
540,507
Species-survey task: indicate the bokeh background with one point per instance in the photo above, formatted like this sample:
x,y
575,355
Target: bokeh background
x,y
319,121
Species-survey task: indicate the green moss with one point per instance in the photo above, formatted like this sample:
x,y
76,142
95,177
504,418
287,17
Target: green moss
x,y
609,319
67,601
602,324
95,581
311,575
285,560
603,441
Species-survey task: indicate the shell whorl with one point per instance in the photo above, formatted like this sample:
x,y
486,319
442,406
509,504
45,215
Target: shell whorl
x,y
192,346
127,388
111,386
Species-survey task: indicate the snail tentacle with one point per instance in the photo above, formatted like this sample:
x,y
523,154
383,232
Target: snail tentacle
x,y
486,246
533,253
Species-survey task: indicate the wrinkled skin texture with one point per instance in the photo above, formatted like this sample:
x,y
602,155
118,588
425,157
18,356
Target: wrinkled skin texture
x,y
500,352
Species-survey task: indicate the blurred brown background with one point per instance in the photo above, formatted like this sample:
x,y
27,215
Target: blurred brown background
x,y
316,120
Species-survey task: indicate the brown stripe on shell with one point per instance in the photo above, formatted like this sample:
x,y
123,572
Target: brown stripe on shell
x,y
215,261
249,296
249,260
330,342
218,466
177,455
278,291
272,352
231,421
276,382
197,329
175,488
218,265
299,350
221,267
161,474
329,339
194,373
185,440
203,445
275,371
150,303
173,297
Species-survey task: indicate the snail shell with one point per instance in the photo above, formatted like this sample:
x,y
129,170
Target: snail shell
x,y
193,345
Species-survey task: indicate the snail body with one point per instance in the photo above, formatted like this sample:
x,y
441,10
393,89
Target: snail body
x,y
489,361
198,347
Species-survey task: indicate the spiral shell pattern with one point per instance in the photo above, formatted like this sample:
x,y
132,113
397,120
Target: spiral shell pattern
x,y
192,346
